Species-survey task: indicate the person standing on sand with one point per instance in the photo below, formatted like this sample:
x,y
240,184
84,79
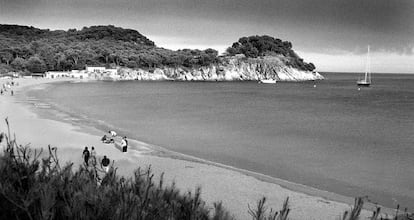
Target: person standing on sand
x,y
86,155
105,164
124,144
93,156
112,133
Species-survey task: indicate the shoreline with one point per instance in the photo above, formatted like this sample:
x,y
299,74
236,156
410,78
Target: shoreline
x,y
186,170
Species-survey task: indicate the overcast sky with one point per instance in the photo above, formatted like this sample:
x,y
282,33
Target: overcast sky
x,y
333,34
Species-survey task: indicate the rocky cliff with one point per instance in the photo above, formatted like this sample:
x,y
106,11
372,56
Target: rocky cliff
x,y
234,68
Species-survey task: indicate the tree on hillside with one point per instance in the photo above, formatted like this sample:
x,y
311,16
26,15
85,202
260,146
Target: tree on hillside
x,y
23,51
208,56
104,54
46,53
73,54
131,64
5,68
60,59
6,57
36,65
18,64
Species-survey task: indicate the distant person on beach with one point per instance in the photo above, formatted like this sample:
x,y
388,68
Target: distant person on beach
x,y
86,156
105,164
11,92
93,156
1,91
103,139
124,144
113,133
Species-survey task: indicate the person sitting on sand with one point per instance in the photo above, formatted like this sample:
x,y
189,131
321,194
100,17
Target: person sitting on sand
x,y
105,139
112,133
105,164
124,144
86,155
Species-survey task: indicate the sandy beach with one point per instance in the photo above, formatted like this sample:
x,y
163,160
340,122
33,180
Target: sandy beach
x,y
235,188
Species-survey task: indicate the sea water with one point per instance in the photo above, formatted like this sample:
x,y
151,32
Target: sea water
x,y
326,134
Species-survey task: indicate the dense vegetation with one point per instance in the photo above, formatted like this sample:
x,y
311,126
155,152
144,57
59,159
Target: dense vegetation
x,y
255,46
34,189
36,50
31,49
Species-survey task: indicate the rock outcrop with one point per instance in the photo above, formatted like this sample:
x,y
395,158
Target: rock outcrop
x,y
236,68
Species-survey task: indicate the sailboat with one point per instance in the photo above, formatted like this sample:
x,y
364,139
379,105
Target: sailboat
x,y
367,79
268,81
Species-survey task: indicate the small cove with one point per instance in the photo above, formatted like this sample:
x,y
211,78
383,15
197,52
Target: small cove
x,y
332,137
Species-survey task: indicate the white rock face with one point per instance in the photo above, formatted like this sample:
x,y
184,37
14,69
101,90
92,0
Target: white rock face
x,y
231,69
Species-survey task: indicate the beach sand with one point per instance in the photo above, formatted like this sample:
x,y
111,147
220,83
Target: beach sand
x,y
235,188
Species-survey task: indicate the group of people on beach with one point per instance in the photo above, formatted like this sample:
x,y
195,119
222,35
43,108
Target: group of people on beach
x,y
90,157
108,139
7,86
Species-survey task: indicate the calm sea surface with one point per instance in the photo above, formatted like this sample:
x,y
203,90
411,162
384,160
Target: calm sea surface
x,y
333,136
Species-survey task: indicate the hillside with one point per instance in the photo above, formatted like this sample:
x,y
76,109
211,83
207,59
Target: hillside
x,y
29,49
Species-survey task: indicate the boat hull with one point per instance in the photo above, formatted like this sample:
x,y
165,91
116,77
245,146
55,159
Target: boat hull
x,y
363,83
268,81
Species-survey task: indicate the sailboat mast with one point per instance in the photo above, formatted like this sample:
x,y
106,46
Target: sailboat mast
x,y
368,68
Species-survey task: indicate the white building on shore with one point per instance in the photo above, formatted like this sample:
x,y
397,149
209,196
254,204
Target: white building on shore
x,y
79,74
102,73
56,74
91,72
95,69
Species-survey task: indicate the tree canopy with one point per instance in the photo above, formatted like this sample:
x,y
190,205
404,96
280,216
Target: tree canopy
x,y
259,46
